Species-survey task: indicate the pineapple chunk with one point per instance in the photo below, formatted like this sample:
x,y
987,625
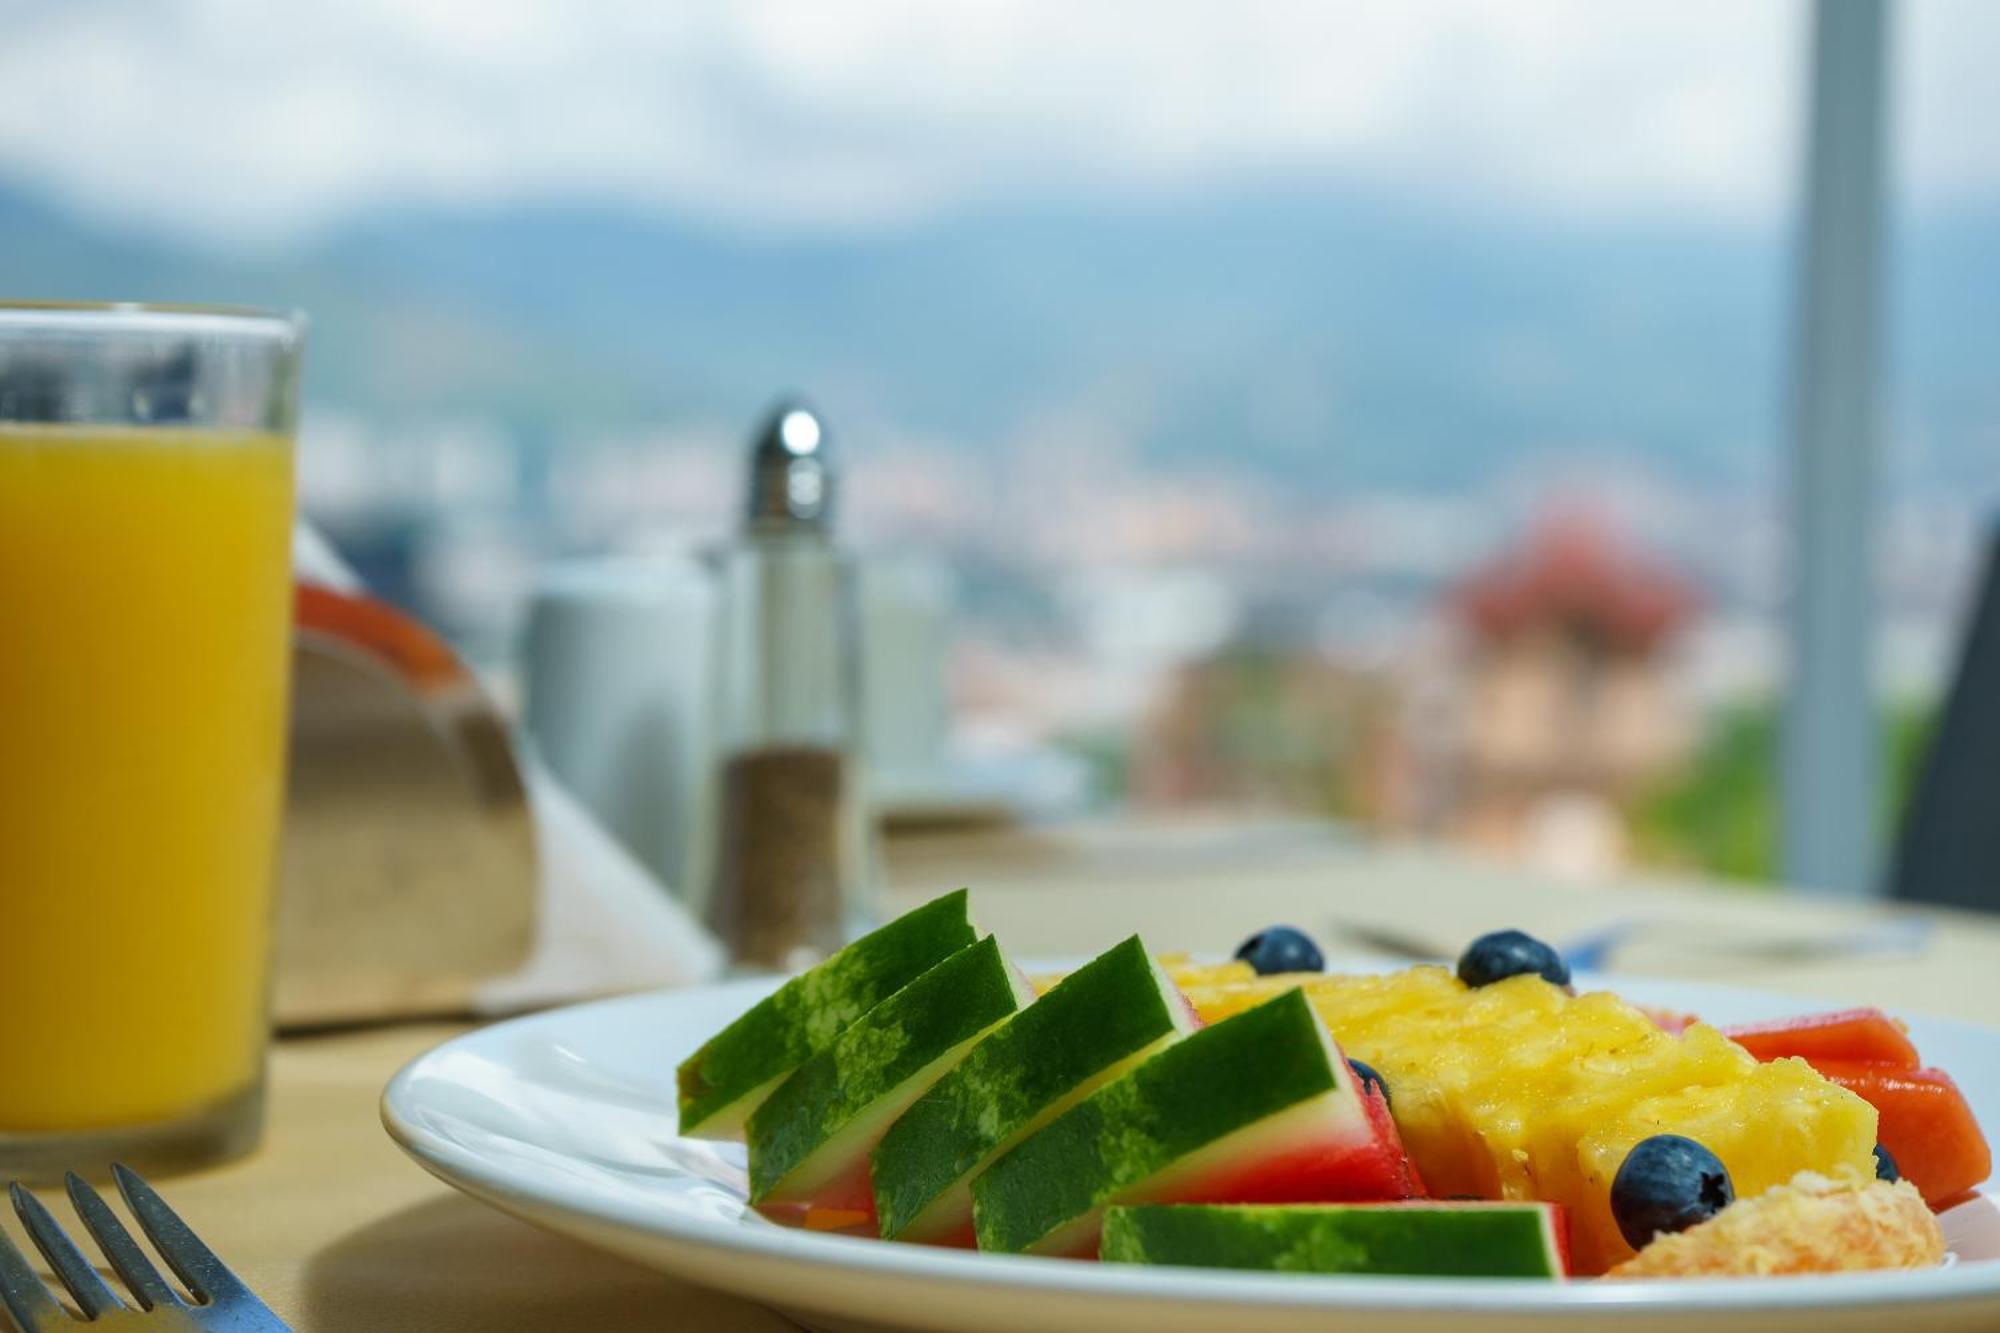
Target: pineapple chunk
x,y
1520,1090
1182,971
1185,974
1781,1118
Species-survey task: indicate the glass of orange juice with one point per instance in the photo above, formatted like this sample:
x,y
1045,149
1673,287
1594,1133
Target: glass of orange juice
x,y
145,610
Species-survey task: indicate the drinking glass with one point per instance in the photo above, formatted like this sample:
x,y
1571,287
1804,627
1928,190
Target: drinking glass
x,y
145,612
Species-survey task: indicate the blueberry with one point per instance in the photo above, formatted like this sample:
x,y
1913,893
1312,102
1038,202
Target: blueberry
x,y
1365,1075
1667,1183
1885,1165
1510,953
1281,949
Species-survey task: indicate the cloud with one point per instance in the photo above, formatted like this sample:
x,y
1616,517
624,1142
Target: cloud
x,y
245,119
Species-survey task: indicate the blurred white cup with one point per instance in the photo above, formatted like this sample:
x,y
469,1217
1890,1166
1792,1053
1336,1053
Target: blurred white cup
x,y
615,678
906,612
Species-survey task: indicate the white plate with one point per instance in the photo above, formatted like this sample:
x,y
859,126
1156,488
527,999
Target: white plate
x,y
566,1119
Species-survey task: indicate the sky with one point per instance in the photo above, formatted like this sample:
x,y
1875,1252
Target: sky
x,y
266,121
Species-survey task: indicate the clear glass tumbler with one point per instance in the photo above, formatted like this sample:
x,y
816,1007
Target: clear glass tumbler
x,y
145,614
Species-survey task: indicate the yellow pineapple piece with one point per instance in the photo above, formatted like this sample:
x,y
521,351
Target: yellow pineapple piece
x,y
1780,1119
1520,1090
1218,1000
1181,970
1185,974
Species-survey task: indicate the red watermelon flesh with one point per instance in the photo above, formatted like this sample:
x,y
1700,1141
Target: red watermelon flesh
x,y
1926,1124
1865,1036
1339,1148
1259,1108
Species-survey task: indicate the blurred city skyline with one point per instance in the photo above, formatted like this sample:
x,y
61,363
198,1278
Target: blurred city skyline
x,y
1211,349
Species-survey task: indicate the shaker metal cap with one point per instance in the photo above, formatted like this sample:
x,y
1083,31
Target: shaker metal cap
x,y
791,471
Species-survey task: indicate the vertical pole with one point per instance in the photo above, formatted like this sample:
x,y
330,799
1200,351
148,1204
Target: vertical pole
x,y
1830,752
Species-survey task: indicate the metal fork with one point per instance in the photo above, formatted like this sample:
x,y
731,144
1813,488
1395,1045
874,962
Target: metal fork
x,y
221,1304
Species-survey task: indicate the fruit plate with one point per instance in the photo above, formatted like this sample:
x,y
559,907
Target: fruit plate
x,y
566,1120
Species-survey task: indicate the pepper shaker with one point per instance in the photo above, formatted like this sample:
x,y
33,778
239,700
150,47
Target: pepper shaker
x,y
791,849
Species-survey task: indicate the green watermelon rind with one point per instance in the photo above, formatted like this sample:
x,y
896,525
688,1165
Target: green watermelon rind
x,y
721,1084
1426,1239
1113,1011
891,1051
1198,1091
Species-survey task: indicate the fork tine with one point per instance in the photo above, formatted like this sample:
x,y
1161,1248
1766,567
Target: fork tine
x,y
33,1308
190,1258
93,1297
119,1247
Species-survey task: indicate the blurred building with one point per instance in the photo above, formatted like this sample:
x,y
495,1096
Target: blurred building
x,y
1571,707
1263,729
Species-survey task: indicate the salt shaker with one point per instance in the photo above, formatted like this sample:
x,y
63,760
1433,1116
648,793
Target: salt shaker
x,y
791,851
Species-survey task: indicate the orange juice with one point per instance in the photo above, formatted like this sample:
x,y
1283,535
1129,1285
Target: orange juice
x,y
145,595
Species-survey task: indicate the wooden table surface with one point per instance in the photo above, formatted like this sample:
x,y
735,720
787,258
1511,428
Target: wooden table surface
x,y
340,1232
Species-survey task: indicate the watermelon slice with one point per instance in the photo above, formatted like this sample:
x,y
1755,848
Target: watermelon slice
x,y
1926,1124
1867,1036
1260,1108
1427,1239
810,1140
1099,1021
724,1081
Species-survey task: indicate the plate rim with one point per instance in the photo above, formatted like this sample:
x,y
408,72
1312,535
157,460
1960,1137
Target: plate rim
x,y
479,1177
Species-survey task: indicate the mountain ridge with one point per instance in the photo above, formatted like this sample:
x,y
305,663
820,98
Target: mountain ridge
x,y
1321,335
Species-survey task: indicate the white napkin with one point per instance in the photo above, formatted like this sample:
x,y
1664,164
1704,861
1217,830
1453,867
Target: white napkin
x,y
607,925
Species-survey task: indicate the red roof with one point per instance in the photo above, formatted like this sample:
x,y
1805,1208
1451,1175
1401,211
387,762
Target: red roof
x,y
1573,571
